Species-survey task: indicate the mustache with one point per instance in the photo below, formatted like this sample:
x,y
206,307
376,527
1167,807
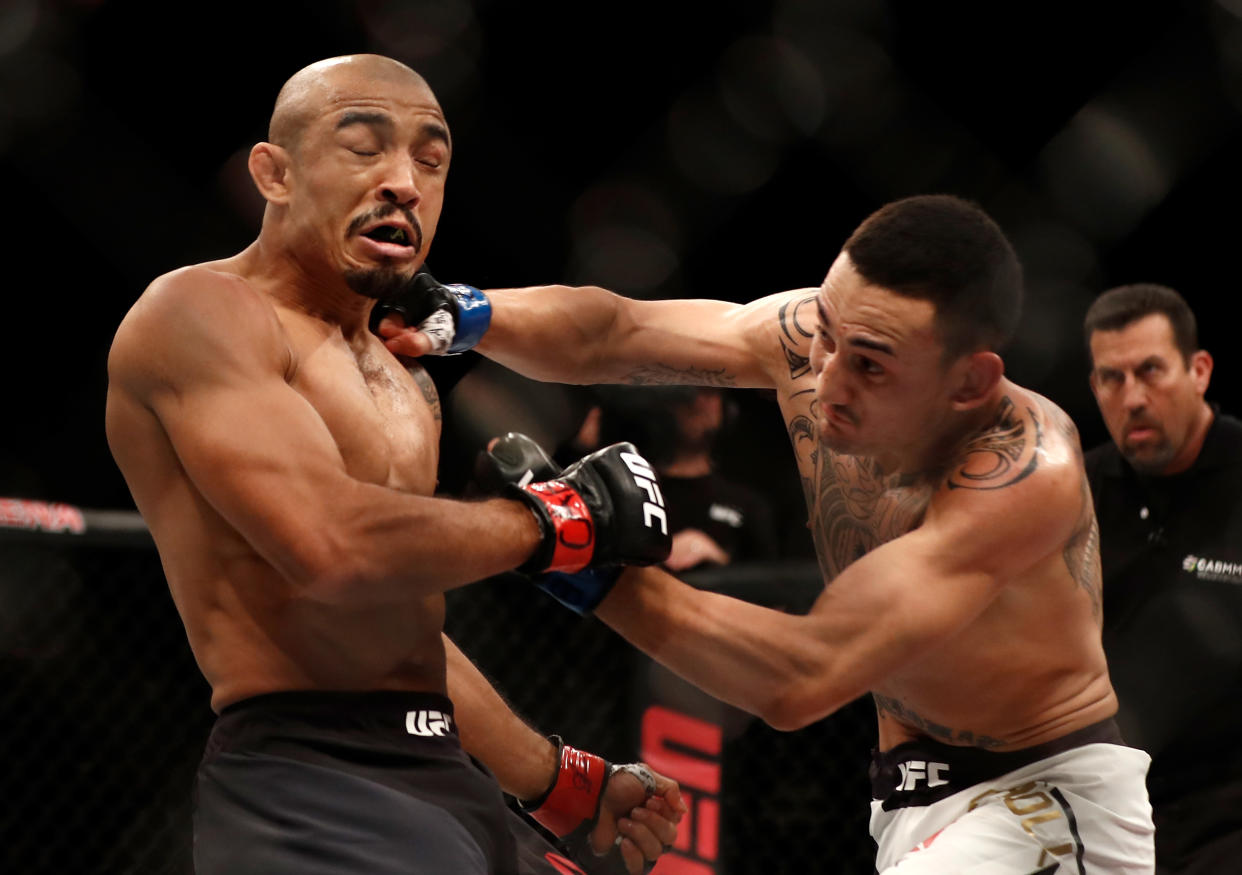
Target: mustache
x,y
383,211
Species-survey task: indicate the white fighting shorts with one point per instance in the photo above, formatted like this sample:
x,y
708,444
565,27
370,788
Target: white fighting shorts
x,y
1074,806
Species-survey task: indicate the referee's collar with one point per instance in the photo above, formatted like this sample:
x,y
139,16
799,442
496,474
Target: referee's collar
x,y
1219,450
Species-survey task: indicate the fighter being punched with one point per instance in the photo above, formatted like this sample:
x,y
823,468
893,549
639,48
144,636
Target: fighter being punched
x,y
285,464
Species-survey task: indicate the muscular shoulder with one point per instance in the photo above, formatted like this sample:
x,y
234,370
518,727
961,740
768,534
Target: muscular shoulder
x,y
194,317
1016,486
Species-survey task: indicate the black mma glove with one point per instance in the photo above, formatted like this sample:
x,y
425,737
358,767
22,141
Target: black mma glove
x,y
453,317
516,459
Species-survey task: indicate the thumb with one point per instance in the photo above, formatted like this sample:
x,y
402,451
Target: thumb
x,y
402,339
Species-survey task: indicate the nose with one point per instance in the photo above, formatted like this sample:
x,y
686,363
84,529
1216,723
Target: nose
x,y
830,382
1134,394
400,185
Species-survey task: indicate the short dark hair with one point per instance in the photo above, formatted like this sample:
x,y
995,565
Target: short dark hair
x,y
946,250
1118,307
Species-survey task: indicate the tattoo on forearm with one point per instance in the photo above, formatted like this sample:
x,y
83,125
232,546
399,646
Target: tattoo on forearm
x,y
896,709
667,375
994,459
797,319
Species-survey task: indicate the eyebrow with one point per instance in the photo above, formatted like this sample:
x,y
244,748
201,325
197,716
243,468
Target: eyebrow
x,y
359,117
864,342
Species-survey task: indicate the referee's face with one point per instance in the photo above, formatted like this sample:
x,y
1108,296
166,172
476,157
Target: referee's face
x,y
1150,396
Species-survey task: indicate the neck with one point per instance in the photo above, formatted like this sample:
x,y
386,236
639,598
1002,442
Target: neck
x,y
307,285
1194,441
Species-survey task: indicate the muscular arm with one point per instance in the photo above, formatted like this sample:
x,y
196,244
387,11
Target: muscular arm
x,y
206,357
523,760
880,614
590,335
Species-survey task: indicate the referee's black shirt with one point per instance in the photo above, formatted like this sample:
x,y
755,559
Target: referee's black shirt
x,y
1171,551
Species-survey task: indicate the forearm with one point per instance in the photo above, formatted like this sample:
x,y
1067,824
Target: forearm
x,y
557,334
524,761
766,662
374,545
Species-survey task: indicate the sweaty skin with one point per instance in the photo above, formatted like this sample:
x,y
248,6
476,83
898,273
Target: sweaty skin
x,y
285,461
960,557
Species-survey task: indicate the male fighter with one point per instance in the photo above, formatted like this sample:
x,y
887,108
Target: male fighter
x,y
954,528
285,463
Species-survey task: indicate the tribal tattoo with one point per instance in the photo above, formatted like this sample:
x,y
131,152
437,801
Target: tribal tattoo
x,y
797,324
994,458
667,375
895,708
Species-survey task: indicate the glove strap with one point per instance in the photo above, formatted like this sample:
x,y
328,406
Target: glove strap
x,y
474,317
566,525
575,794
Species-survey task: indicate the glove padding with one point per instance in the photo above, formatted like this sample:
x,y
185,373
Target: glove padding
x,y
453,317
605,509
516,459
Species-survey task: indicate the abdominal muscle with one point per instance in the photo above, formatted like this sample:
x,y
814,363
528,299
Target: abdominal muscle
x,y
252,632
1028,670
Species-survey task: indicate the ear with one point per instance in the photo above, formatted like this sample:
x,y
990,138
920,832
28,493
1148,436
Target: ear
x,y
269,168
978,374
1201,370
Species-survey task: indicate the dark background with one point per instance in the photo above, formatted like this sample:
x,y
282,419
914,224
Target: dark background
x,y
660,149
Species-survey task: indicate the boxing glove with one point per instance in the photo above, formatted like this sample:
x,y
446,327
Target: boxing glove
x,y
516,459
454,317
604,509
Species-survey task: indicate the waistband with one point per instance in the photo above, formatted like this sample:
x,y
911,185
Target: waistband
x,y
924,770
377,712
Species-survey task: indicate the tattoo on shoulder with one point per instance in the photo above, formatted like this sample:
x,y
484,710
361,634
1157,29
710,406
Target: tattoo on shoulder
x,y
1082,551
995,458
667,375
898,710
796,319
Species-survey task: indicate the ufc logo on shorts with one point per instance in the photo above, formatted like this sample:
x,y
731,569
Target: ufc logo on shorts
x,y
428,723
645,479
914,771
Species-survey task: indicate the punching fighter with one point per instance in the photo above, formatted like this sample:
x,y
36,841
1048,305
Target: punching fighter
x,y
953,523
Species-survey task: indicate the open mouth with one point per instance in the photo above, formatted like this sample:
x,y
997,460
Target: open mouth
x,y
390,234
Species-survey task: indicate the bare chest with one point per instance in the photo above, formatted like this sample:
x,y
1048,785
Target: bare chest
x,y
384,419
852,507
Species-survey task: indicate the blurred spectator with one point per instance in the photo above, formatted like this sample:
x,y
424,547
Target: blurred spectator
x,y
1168,495
715,519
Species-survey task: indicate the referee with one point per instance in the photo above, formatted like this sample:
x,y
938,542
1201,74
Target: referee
x,y
1168,496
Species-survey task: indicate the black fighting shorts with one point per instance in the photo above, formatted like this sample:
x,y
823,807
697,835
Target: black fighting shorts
x,y
312,783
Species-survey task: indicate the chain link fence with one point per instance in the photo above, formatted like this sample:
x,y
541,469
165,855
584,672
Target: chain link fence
x,y
105,716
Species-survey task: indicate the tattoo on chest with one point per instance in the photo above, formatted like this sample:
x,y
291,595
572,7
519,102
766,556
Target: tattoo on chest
x,y
666,375
428,387
887,706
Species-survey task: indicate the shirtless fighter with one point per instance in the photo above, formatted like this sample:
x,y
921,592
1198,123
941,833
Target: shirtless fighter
x,y
953,524
285,463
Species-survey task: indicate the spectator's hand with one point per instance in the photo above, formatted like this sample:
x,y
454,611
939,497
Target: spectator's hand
x,y
692,547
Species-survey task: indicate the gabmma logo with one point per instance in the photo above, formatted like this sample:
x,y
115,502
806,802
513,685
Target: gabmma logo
x,y
1212,569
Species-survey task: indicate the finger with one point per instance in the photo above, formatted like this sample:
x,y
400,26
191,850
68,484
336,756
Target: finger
x,y
390,326
407,342
642,834
667,789
633,858
661,824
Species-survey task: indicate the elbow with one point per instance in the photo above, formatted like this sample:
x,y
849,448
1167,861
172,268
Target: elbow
x,y
325,570
798,703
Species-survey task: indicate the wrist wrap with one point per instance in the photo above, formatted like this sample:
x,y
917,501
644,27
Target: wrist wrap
x,y
575,794
474,317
